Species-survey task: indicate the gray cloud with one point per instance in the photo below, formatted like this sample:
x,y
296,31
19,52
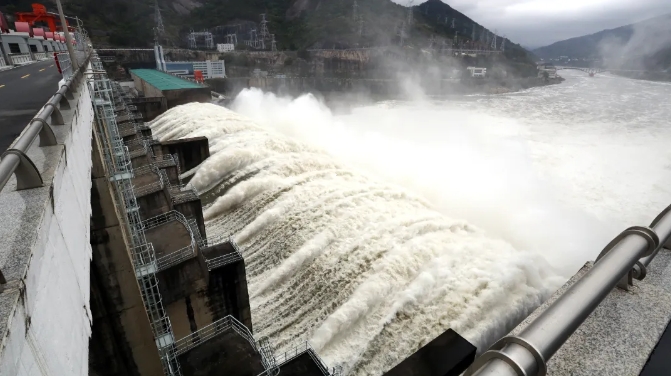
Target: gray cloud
x,y
536,23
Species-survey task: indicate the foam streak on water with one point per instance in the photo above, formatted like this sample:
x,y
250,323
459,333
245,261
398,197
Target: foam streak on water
x,y
366,271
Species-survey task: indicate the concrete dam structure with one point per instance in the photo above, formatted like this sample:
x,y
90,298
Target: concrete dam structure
x,y
147,233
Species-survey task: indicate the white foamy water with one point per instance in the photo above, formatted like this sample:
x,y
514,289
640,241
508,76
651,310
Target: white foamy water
x,y
371,233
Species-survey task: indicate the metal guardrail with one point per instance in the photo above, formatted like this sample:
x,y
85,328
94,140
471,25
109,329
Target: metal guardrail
x,y
301,349
17,59
624,259
14,160
40,55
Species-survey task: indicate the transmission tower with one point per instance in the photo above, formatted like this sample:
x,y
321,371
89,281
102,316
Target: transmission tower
x,y
453,22
273,44
494,42
432,42
355,11
192,40
400,31
265,34
361,23
503,44
159,29
482,35
473,34
411,17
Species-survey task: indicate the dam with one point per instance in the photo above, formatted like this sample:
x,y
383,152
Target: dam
x,y
278,238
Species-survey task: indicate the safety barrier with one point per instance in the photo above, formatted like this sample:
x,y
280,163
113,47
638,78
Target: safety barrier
x,y
181,254
3,64
624,259
222,260
222,325
19,59
14,160
117,160
40,55
301,349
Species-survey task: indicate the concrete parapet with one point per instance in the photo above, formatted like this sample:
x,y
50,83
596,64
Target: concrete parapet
x,y
227,353
45,254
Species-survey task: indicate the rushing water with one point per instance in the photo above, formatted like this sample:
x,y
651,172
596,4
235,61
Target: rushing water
x,y
371,233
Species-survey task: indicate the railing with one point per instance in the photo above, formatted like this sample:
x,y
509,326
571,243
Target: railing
x,y
17,59
210,331
301,349
181,254
40,55
624,259
65,64
116,158
2,61
14,160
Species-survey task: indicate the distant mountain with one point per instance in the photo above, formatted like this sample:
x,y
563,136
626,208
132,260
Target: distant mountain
x,y
644,45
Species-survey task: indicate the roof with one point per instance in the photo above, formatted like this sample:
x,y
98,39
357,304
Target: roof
x,y
163,81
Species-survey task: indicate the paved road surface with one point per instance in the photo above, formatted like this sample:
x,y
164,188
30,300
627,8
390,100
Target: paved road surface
x,y
23,91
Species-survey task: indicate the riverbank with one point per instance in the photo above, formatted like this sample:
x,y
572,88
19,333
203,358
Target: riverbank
x,y
647,76
376,89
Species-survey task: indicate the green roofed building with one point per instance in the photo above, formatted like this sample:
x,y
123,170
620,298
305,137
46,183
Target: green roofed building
x,y
155,84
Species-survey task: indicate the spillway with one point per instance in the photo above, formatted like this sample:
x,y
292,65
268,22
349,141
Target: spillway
x,y
365,270
369,233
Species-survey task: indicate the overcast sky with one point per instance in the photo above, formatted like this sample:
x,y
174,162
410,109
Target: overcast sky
x,y
536,23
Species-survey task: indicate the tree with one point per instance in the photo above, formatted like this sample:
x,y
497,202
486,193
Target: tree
x,y
546,76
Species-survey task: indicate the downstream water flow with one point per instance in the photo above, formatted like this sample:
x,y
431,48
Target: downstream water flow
x,y
372,232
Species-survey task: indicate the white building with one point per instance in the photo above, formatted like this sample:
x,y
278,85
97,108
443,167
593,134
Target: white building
x,y
477,72
225,47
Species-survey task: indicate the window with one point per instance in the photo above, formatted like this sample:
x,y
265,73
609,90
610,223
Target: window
x,y
14,48
33,48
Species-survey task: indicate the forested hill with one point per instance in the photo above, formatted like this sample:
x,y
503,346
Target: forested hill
x,y
644,45
297,24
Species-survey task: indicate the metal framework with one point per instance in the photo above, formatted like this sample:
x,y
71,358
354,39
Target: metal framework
x,y
195,35
303,348
120,172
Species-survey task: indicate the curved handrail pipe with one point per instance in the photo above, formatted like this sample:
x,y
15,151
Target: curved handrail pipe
x,y
626,257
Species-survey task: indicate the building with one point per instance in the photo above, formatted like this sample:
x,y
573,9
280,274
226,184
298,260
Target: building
x,y
225,47
477,72
210,69
547,67
25,44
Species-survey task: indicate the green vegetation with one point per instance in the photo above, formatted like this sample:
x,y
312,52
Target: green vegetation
x,y
297,25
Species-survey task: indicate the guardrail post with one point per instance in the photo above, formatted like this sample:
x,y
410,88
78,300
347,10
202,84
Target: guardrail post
x,y
27,175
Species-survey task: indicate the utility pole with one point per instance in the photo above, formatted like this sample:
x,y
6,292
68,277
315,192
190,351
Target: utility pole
x,y
68,39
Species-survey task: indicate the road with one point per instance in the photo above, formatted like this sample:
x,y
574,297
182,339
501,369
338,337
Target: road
x,y
23,91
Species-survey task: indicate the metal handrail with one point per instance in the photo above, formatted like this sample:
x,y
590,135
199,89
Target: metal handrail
x,y
15,160
624,258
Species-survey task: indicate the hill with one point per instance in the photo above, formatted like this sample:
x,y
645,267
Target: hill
x,y
297,24
645,45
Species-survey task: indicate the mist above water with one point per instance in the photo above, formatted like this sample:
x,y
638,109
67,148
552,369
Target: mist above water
x,y
372,232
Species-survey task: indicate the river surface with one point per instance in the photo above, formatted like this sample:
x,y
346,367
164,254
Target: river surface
x,y
370,233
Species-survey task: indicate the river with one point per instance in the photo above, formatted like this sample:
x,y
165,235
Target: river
x,y
370,232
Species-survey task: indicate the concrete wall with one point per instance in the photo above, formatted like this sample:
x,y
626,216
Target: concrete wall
x,y
37,43
20,40
45,318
